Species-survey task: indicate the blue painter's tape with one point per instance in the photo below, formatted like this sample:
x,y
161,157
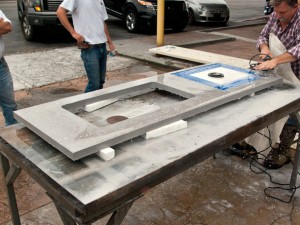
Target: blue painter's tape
x,y
187,74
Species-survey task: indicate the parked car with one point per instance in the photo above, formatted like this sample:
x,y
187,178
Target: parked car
x,y
214,11
142,14
268,9
35,14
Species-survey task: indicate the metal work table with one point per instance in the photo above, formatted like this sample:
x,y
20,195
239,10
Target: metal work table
x,y
88,189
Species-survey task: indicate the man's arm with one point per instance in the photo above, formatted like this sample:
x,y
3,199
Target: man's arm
x,y
62,16
109,41
264,50
291,55
5,27
271,64
263,39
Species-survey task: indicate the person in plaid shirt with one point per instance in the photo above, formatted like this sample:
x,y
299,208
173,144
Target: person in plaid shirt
x,y
284,23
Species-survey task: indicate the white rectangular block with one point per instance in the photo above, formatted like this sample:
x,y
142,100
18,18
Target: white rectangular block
x,y
106,154
178,125
98,105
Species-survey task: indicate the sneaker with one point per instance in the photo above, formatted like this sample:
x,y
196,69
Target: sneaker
x,y
276,158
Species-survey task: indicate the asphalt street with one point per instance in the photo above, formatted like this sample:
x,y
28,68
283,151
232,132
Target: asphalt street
x,y
57,37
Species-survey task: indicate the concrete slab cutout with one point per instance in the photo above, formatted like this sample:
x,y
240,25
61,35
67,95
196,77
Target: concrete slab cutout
x,y
59,123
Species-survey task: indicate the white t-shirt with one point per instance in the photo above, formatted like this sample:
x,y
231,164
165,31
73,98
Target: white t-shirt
x,y
88,18
2,47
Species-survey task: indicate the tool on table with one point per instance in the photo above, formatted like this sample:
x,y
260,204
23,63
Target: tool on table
x,y
253,65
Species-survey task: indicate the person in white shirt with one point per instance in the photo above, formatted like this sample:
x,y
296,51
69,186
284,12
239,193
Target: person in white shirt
x,y
91,33
7,98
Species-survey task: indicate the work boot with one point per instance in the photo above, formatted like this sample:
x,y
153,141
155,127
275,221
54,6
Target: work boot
x,y
281,153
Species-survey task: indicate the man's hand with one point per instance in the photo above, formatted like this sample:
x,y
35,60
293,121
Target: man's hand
x,y
266,65
78,37
80,40
271,64
112,48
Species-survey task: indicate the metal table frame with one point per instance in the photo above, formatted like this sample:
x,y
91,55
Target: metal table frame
x,y
72,211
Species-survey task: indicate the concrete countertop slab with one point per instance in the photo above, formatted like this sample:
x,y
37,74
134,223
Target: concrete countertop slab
x,y
57,122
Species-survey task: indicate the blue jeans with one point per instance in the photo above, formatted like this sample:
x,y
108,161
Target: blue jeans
x,y
7,98
94,59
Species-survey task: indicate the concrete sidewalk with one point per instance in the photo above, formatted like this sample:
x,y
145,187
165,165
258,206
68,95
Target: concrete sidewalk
x,y
37,69
220,191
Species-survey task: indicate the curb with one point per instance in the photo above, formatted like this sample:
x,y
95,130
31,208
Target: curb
x,y
247,24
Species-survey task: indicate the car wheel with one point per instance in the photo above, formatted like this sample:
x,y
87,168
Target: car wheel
x,y
29,31
131,20
191,17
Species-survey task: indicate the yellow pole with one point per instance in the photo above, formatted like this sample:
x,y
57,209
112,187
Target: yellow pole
x,y
160,22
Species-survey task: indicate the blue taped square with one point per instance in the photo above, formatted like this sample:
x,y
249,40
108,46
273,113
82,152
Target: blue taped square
x,y
247,76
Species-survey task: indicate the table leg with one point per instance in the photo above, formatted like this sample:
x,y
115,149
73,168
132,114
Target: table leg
x,y
65,217
118,215
10,174
296,165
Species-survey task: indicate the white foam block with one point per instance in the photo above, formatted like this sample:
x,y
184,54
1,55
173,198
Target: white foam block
x,y
98,105
106,154
178,125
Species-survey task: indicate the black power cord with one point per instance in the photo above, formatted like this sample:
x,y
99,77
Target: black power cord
x,y
259,169
253,65
280,186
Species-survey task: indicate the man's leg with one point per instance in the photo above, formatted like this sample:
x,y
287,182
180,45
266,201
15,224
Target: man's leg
x,y
94,58
7,98
281,154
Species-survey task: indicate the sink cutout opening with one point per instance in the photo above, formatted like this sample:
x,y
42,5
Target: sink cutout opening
x,y
131,107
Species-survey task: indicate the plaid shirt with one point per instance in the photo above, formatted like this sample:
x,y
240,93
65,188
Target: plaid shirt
x,y
290,37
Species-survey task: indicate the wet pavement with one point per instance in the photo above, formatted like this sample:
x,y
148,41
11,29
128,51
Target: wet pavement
x,y
219,191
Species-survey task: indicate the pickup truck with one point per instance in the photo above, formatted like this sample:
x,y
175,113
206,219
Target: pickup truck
x,y
142,14
36,14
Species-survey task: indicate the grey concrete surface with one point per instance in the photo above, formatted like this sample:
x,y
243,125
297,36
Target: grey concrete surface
x,y
78,138
220,191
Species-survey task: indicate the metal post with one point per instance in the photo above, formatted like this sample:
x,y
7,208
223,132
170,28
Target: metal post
x,y
160,22
296,165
